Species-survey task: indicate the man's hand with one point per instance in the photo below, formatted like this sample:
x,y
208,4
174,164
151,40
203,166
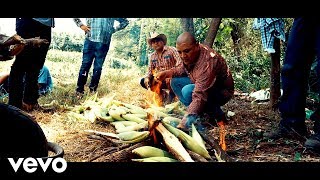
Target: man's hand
x,y
147,82
187,121
85,28
160,76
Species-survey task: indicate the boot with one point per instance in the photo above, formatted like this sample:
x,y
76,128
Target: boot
x,y
313,143
288,131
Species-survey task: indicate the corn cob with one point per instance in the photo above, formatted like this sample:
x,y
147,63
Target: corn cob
x,y
170,107
133,136
150,151
118,125
130,135
195,135
156,113
135,127
188,141
156,159
116,113
124,123
171,120
132,117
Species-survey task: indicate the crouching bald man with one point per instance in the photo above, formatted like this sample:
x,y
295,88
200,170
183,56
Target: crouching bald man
x,y
209,84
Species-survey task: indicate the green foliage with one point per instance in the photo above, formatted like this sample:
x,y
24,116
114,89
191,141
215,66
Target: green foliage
x,y
67,42
250,65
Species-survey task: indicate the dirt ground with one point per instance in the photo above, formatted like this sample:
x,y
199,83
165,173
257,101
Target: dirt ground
x,y
244,136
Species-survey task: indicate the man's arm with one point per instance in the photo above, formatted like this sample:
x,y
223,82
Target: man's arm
x,y
78,22
123,22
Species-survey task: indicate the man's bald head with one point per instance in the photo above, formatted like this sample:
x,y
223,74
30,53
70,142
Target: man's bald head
x,y
188,48
186,38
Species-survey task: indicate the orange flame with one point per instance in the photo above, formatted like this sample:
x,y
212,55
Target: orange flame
x,y
222,135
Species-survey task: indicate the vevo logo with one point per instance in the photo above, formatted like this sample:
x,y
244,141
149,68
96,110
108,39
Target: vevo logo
x,y
30,164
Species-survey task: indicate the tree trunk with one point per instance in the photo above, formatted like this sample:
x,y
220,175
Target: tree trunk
x,y
143,58
236,35
275,74
212,31
187,25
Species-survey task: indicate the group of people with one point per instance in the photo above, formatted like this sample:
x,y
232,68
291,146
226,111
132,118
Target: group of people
x,y
203,81
195,74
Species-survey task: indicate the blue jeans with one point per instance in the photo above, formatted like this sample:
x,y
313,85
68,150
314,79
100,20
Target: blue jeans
x,y
303,46
183,88
92,52
23,83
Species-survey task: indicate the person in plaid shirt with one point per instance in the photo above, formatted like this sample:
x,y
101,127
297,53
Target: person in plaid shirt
x,y
163,58
98,32
209,84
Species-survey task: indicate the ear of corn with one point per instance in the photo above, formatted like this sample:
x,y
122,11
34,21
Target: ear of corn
x,y
155,159
138,138
116,113
170,107
132,135
144,160
195,135
142,116
118,125
132,117
156,112
188,141
135,127
171,120
90,115
150,151
124,123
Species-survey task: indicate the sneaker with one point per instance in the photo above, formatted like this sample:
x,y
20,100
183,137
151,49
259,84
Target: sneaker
x,y
79,95
286,132
313,143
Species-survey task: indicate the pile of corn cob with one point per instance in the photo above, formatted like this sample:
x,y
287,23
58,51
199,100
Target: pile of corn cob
x,y
131,126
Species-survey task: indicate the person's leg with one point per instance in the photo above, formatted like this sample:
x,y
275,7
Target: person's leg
x,y
101,51
23,61
87,59
31,91
296,67
183,93
44,81
314,141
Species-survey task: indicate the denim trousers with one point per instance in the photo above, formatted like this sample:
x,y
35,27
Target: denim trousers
x,y
23,83
303,46
93,52
183,88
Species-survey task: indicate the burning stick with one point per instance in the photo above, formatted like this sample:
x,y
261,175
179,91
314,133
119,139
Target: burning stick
x,y
222,135
171,141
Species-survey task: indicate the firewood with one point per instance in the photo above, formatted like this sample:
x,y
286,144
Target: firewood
x,y
196,156
173,144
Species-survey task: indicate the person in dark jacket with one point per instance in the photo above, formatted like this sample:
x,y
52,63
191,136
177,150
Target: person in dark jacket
x,y
303,46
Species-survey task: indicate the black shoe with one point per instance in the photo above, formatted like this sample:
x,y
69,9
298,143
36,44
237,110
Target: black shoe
x,y
286,132
79,95
313,143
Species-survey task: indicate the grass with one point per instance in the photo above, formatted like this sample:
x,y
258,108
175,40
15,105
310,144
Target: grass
x,y
64,67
